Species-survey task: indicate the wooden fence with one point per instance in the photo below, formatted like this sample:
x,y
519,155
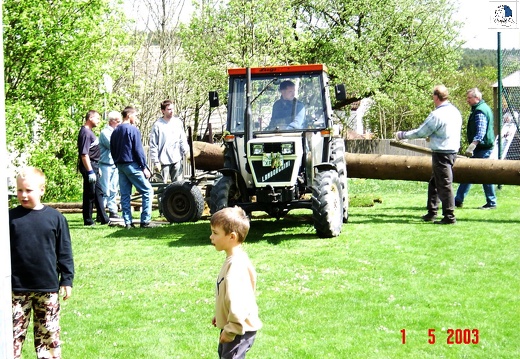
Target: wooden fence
x,y
382,147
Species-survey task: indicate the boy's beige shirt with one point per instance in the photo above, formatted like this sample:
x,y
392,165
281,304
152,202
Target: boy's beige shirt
x,y
236,311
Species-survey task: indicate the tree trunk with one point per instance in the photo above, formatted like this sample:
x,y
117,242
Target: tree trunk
x,y
210,157
419,168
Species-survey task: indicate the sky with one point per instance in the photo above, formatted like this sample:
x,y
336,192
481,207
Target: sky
x,y
476,15
480,31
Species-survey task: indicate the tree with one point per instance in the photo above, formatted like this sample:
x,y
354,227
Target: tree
x,y
159,69
393,51
55,55
465,79
478,58
233,34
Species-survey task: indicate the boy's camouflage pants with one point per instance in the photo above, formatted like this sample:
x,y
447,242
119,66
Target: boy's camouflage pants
x,y
46,315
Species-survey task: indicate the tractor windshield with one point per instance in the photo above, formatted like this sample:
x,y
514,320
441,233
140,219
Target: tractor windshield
x,y
285,103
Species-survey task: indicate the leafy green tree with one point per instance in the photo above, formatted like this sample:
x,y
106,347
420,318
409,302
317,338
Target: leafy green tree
x,y
478,58
481,77
55,55
233,34
392,51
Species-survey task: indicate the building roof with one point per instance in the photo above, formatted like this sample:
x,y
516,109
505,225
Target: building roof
x,y
512,80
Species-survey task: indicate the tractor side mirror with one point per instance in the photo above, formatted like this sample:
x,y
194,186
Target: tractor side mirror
x,y
341,94
213,99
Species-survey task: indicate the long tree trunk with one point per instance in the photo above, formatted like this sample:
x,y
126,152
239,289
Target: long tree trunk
x,y
389,167
419,168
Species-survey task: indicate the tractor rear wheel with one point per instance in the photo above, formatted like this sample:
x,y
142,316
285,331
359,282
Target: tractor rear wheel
x,y
327,204
220,194
182,202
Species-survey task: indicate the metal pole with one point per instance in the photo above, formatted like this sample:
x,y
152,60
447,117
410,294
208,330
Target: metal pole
x,y
192,158
6,312
499,75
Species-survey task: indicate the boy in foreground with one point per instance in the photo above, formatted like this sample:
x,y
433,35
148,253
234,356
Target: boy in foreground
x,y
41,264
236,311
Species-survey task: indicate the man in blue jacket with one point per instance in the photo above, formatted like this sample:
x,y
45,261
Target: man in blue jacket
x,y
128,154
288,113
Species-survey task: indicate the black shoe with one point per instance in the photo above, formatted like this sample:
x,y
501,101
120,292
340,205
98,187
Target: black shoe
x,y
102,221
117,224
488,206
458,204
128,226
149,225
429,217
114,216
446,221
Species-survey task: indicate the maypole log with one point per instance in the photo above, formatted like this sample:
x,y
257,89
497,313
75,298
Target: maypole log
x,y
419,168
210,157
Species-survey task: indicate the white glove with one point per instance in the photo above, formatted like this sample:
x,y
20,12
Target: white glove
x,y
92,177
157,167
470,149
399,135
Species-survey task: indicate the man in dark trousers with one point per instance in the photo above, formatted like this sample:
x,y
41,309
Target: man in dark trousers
x,y
88,166
481,139
442,127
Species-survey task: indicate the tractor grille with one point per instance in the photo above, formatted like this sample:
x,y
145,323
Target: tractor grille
x,y
272,147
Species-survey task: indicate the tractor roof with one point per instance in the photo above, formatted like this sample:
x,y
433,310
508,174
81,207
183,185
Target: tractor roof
x,y
286,69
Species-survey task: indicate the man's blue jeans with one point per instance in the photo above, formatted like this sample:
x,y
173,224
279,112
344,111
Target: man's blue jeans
x,y
130,174
109,182
489,189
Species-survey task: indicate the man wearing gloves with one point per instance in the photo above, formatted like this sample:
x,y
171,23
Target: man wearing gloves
x,y
168,144
88,166
442,127
481,139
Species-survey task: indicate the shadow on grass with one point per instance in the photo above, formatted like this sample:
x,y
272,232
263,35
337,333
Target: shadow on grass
x,y
192,234
378,215
396,215
274,231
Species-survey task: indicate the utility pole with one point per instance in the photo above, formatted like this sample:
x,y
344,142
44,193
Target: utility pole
x,y
6,312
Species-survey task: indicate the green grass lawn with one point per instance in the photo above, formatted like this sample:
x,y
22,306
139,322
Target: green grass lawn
x,y
148,293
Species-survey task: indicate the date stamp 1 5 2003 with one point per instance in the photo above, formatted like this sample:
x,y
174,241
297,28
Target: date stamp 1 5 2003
x,y
454,336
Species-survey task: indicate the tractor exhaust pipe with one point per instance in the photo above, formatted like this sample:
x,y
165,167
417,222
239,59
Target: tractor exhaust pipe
x,y
248,129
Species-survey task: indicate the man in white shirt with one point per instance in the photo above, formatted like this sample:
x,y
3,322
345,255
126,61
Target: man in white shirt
x,y
168,144
442,127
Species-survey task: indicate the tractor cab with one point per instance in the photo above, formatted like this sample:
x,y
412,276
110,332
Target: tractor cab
x,y
283,99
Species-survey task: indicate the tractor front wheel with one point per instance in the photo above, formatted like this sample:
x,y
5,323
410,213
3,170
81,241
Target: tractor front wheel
x,y
338,158
327,204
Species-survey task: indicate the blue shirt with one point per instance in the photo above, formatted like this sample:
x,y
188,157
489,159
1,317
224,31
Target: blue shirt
x,y
481,123
287,114
104,146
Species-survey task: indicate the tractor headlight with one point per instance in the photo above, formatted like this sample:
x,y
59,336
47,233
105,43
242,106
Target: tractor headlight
x,y
287,148
257,149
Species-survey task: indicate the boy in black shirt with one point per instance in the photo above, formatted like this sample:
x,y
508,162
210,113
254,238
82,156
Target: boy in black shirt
x,y
41,266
